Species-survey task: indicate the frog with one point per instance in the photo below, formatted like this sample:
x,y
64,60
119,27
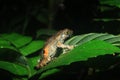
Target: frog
x,y
52,44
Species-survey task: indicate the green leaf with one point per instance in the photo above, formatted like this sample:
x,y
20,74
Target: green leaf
x,y
8,54
6,44
74,40
13,68
16,39
32,47
111,2
49,72
106,8
3,46
33,61
82,53
80,39
13,57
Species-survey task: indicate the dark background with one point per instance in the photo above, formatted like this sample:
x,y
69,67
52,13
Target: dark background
x,y
26,17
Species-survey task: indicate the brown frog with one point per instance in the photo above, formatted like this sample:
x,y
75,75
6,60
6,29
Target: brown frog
x,y
50,48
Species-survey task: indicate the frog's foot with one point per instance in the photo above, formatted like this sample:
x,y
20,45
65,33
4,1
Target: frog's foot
x,y
43,63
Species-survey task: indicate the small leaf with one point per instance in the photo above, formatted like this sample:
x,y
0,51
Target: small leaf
x,y
3,46
13,68
32,47
16,39
6,44
110,2
105,8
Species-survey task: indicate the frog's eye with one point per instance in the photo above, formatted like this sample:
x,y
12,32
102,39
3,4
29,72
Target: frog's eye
x,y
66,32
69,32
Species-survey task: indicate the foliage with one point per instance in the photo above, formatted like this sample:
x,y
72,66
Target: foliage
x,y
110,10
21,15
19,55
93,52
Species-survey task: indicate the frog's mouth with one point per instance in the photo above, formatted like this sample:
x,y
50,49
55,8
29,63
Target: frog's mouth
x,y
70,35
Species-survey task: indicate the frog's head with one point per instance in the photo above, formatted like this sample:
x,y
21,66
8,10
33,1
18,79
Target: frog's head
x,y
66,33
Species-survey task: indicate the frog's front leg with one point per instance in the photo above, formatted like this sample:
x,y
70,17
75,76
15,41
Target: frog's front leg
x,y
61,45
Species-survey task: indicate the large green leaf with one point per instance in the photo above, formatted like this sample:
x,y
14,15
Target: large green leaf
x,y
13,68
91,50
82,53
